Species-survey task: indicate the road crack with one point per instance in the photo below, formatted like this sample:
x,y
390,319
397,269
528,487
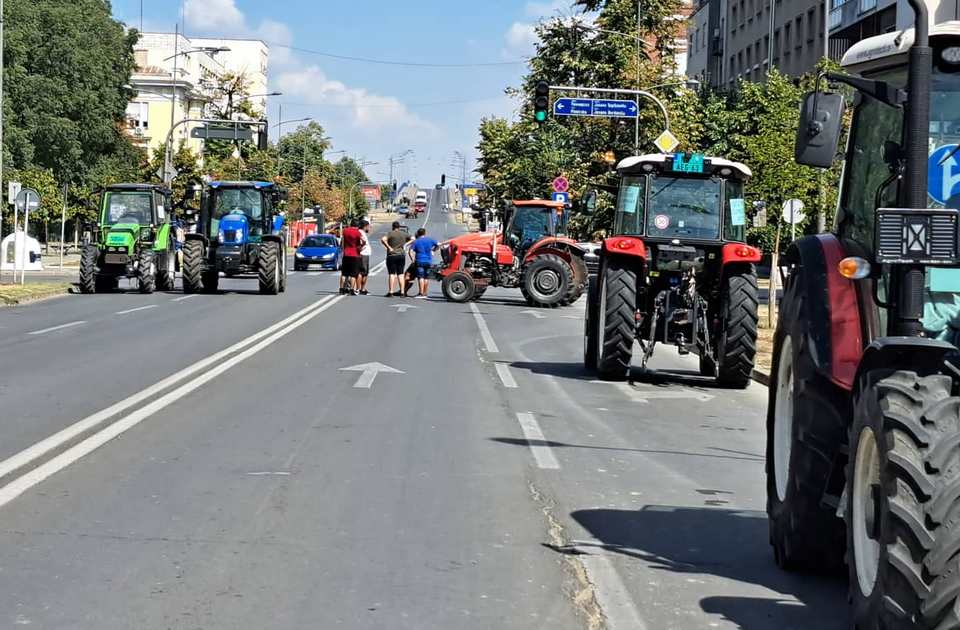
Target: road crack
x,y
582,591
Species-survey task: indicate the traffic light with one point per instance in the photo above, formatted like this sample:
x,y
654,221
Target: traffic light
x,y
263,138
541,101
443,180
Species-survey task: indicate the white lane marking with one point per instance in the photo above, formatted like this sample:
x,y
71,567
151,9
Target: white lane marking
x,y
41,448
314,274
535,314
612,595
402,308
134,310
488,341
185,298
53,328
646,395
369,375
380,267
541,452
503,371
269,473
20,485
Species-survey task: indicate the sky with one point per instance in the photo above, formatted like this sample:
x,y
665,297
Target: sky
x,y
376,110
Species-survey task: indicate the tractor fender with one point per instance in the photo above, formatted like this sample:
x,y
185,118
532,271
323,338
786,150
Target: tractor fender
x,y
632,246
564,248
834,325
198,237
916,354
163,238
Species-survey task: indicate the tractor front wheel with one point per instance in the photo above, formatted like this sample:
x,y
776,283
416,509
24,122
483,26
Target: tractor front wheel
x,y
738,335
269,270
616,319
88,269
547,281
459,287
147,271
903,481
193,267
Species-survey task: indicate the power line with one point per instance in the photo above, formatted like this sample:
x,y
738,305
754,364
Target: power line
x,y
408,105
384,62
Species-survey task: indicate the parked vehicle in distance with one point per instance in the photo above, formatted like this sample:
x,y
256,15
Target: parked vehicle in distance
x,y
318,249
403,211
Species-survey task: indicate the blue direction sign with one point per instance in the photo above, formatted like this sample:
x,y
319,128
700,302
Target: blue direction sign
x,y
603,108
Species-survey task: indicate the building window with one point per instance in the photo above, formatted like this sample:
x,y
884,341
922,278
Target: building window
x,y
786,39
766,50
811,25
138,116
866,5
140,58
798,24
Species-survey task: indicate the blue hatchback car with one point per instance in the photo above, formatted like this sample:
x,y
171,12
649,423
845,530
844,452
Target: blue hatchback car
x,y
318,249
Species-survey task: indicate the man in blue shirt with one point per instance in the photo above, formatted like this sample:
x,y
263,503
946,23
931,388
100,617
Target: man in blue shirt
x,y
422,254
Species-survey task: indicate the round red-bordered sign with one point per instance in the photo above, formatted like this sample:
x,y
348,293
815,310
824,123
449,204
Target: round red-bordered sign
x,y
661,221
561,184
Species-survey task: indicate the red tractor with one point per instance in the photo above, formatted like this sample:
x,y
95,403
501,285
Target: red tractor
x,y
863,423
677,271
529,253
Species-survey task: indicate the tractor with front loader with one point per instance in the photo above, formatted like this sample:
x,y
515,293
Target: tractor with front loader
x,y
240,234
863,423
531,252
132,237
676,270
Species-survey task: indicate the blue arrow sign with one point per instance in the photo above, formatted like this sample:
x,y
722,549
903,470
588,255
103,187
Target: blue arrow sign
x,y
603,108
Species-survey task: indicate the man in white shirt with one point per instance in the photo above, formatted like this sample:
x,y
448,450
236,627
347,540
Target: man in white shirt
x,y
365,253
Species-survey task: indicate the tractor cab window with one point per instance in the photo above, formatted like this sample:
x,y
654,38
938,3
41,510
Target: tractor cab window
x,y
735,212
529,224
245,201
128,207
629,219
684,208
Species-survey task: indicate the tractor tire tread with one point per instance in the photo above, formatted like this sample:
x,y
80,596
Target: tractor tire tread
x,y
88,269
268,272
739,338
193,267
618,320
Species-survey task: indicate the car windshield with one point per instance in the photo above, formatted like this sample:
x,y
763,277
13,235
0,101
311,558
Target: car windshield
x,y
319,241
128,207
245,201
684,208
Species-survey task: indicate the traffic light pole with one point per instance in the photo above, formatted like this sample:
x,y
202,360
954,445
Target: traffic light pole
x,y
167,180
637,94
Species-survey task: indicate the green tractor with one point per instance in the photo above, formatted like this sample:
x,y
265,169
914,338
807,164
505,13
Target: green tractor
x,y
132,238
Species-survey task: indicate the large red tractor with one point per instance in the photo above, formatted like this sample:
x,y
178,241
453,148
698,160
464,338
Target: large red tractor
x,y
529,253
677,271
863,423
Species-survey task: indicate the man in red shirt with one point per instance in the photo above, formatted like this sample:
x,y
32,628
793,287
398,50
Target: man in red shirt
x,y
352,240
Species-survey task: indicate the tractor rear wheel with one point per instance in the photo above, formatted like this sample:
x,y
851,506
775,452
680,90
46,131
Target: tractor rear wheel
x,y
193,267
591,331
903,496
147,271
547,280
579,284
616,318
738,335
268,268
88,269
167,269
459,287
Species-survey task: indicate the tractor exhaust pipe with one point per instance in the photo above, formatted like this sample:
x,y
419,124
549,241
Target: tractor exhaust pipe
x,y
913,194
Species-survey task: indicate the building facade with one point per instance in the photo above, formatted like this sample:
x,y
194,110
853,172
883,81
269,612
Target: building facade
x,y
854,20
704,42
174,81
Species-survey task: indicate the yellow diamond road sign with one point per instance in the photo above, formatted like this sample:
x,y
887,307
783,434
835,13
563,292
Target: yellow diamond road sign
x,y
666,142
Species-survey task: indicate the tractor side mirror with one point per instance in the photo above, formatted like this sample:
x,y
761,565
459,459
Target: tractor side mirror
x,y
821,119
590,202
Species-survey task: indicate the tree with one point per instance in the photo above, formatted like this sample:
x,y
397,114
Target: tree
x,y
303,148
66,68
187,164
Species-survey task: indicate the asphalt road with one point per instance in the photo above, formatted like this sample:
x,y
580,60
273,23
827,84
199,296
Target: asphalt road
x,y
314,461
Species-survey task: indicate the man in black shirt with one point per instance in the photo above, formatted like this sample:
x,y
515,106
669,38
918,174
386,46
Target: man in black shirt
x,y
395,241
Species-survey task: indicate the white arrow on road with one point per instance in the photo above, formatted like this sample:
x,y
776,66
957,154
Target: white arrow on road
x,y
403,308
536,315
370,371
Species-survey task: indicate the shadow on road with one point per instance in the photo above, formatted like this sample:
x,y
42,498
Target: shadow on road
x,y
736,456
660,378
728,544
570,371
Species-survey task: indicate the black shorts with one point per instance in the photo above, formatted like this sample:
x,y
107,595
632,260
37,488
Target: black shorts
x,y
395,264
350,267
364,265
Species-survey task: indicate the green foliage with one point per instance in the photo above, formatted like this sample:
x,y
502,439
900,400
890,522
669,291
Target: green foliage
x,y
304,148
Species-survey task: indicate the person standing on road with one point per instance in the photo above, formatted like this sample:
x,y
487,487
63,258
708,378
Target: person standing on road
x,y
422,254
394,243
365,252
350,266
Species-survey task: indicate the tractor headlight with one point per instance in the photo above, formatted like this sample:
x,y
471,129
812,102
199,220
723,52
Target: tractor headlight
x,y
222,237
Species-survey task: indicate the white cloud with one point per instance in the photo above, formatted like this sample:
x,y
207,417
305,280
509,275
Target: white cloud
x,y
363,110
521,40
214,15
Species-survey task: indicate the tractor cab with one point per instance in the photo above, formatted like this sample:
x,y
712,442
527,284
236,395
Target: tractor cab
x,y
132,212
529,222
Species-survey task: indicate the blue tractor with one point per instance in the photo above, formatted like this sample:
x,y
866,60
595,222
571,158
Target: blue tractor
x,y
240,233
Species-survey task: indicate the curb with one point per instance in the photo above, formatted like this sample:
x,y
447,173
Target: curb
x,y
45,295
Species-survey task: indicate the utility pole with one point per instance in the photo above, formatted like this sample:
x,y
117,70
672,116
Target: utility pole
x,y
168,150
773,12
636,121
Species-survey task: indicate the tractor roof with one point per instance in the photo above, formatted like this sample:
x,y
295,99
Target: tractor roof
x,y
890,49
639,164
257,185
539,203
140,187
